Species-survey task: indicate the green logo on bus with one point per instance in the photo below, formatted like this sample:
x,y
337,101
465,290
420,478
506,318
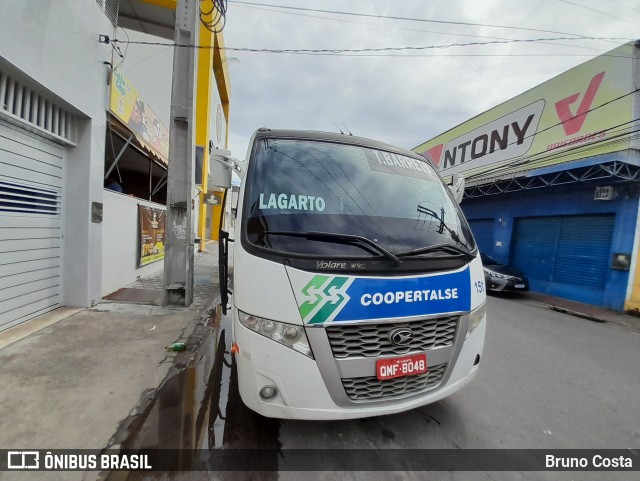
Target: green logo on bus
x,y
324,297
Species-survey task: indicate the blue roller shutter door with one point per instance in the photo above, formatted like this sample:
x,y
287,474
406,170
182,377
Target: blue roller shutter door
x,y
483,233
565,256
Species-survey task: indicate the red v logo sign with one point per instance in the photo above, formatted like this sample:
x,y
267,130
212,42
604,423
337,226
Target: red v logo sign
x,y
435,153
573,123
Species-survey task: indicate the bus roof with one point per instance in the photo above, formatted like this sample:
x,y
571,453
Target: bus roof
x,y
265,133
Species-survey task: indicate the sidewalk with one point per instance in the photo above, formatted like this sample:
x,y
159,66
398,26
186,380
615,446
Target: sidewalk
x,y
71,384
585,311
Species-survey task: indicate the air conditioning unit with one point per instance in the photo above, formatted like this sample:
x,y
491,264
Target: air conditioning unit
x,y
604,193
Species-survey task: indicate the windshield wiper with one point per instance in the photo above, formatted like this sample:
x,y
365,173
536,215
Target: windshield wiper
x,y
450,248
355,240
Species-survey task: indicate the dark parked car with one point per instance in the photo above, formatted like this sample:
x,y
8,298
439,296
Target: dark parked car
x,y
502,278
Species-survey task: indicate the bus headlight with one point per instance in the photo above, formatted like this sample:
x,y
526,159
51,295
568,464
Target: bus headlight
x,y
287,334
476,317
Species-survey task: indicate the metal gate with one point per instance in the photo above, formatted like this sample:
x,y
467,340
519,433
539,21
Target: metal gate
x,y
31,182
483,233
566,256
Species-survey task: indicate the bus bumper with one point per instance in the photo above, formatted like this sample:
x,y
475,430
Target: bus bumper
x,y
303,392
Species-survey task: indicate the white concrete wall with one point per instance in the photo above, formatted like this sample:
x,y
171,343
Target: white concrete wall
x,y
120,242
54,44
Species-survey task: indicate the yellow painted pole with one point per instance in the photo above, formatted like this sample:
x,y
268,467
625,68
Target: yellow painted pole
x,y
633,303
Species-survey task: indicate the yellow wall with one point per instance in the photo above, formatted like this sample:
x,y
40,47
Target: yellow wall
x,y
633,303
212,72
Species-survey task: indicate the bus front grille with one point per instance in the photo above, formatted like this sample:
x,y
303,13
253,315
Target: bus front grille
x,y
372,340
371,388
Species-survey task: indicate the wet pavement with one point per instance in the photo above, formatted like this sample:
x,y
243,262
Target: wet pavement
x,y
196,411
538,388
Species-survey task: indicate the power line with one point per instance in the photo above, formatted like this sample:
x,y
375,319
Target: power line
x,y
542,156
404,28
370,24
362,50
523,160
624,5
395,27
409,19
598,11
461,55
218,19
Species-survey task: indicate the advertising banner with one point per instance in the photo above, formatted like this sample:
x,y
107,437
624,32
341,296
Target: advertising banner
x,y
581,113
135,113
151,234
336,298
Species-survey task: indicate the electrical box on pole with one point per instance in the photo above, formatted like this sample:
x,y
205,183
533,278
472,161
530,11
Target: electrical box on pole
x,y
180,230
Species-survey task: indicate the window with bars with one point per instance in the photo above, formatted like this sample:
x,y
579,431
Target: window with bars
x,y
21,102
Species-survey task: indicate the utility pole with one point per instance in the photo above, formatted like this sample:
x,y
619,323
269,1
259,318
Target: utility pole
x,y
179,234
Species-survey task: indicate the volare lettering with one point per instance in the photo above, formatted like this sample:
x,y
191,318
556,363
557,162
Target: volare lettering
x,y
285,201
331,265
513,133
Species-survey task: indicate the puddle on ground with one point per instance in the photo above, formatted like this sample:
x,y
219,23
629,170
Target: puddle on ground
x,y
198,409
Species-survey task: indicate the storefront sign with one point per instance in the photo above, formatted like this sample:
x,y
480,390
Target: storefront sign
x,y
151,234
569,117
135,113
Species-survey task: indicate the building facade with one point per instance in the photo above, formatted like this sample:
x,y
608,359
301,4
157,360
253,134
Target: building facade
x,y
553,180
65,240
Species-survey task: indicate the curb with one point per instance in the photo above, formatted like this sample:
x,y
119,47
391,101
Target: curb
x,y
179,361
576,313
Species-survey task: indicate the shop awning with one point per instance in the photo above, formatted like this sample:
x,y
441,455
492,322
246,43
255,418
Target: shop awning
x,y
610,169
133,139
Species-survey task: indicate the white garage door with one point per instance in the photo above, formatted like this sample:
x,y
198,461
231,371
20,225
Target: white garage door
x,y
31,176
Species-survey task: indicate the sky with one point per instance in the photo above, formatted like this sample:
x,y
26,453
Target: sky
x,y
401,97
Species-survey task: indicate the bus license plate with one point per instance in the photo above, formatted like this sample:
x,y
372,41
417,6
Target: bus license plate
x,y
401,366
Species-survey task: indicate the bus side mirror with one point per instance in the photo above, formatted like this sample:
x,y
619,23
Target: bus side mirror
x,y
221,164
457,187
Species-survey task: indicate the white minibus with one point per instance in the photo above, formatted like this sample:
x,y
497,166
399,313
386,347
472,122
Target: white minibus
x,y
358,288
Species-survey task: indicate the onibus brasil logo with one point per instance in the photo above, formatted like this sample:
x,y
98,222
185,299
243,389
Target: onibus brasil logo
x,y
324,297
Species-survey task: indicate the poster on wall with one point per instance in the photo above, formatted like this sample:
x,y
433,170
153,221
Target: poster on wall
x,y
151,234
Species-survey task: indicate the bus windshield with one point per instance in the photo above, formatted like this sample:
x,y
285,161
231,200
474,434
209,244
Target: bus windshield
x,y
395,202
